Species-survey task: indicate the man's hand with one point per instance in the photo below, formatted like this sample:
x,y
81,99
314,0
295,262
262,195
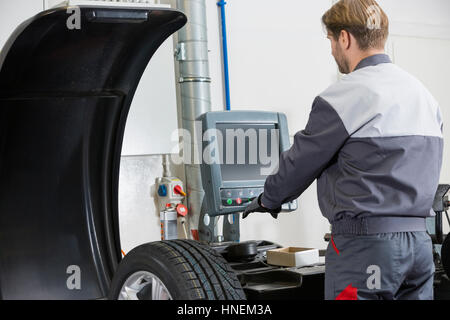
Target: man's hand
x,y
256,206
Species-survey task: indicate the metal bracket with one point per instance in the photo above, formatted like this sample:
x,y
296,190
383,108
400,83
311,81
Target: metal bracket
x,y
208,230
180,51
231,231
206,227
194,79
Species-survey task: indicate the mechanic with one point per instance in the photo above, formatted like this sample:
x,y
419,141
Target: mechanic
x,y
374,143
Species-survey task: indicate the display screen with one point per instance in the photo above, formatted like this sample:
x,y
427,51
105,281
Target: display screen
x,y
248,151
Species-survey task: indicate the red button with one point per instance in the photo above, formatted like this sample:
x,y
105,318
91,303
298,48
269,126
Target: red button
x,y
238,200
182,210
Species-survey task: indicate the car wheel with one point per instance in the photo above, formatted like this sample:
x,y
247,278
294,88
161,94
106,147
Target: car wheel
x,y
176,269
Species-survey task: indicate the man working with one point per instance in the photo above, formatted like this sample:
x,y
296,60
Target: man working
x,y
374,143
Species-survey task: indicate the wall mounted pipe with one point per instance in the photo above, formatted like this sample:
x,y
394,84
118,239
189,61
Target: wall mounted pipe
x,y
222,4
194,81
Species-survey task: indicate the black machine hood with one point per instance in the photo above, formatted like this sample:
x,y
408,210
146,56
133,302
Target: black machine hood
x,y
64,100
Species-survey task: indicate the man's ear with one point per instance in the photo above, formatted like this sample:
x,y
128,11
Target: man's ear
x,y
345,39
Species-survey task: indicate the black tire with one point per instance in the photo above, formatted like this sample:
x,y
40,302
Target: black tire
x,y
445,255
188,269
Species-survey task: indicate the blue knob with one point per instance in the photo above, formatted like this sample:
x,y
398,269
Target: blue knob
x,y
162,190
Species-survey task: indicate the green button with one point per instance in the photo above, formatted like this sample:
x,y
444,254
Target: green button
x,y
230,202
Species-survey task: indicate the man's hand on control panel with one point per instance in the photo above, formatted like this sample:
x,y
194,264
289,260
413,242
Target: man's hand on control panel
x,y
257,206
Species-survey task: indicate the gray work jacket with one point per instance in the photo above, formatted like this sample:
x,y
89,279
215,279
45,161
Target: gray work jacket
x,y
374,143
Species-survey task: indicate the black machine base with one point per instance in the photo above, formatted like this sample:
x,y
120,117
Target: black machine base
x,y
262,281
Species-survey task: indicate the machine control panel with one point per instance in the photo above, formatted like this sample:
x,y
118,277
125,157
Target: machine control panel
x,y
239,197
242,142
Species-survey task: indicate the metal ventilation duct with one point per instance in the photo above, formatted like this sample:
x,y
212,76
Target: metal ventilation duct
x,y
192,54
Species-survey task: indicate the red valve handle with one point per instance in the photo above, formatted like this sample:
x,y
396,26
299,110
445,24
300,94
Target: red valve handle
x,y
179,190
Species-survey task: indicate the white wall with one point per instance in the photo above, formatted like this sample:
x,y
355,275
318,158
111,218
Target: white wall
x,y
139,219
13,13
153,112
435,12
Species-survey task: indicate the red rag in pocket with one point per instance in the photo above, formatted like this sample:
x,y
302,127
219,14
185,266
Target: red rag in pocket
x,y
349,293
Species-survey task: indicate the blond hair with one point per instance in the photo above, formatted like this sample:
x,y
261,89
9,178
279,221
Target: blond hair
x,y
364,19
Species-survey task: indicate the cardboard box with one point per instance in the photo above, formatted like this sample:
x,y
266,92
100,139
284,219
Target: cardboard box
x,y
293,257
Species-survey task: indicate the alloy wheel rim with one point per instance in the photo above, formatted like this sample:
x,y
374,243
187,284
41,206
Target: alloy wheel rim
x,y
136,287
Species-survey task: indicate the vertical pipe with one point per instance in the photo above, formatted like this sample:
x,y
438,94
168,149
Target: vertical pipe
x,y
222,4
194,82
